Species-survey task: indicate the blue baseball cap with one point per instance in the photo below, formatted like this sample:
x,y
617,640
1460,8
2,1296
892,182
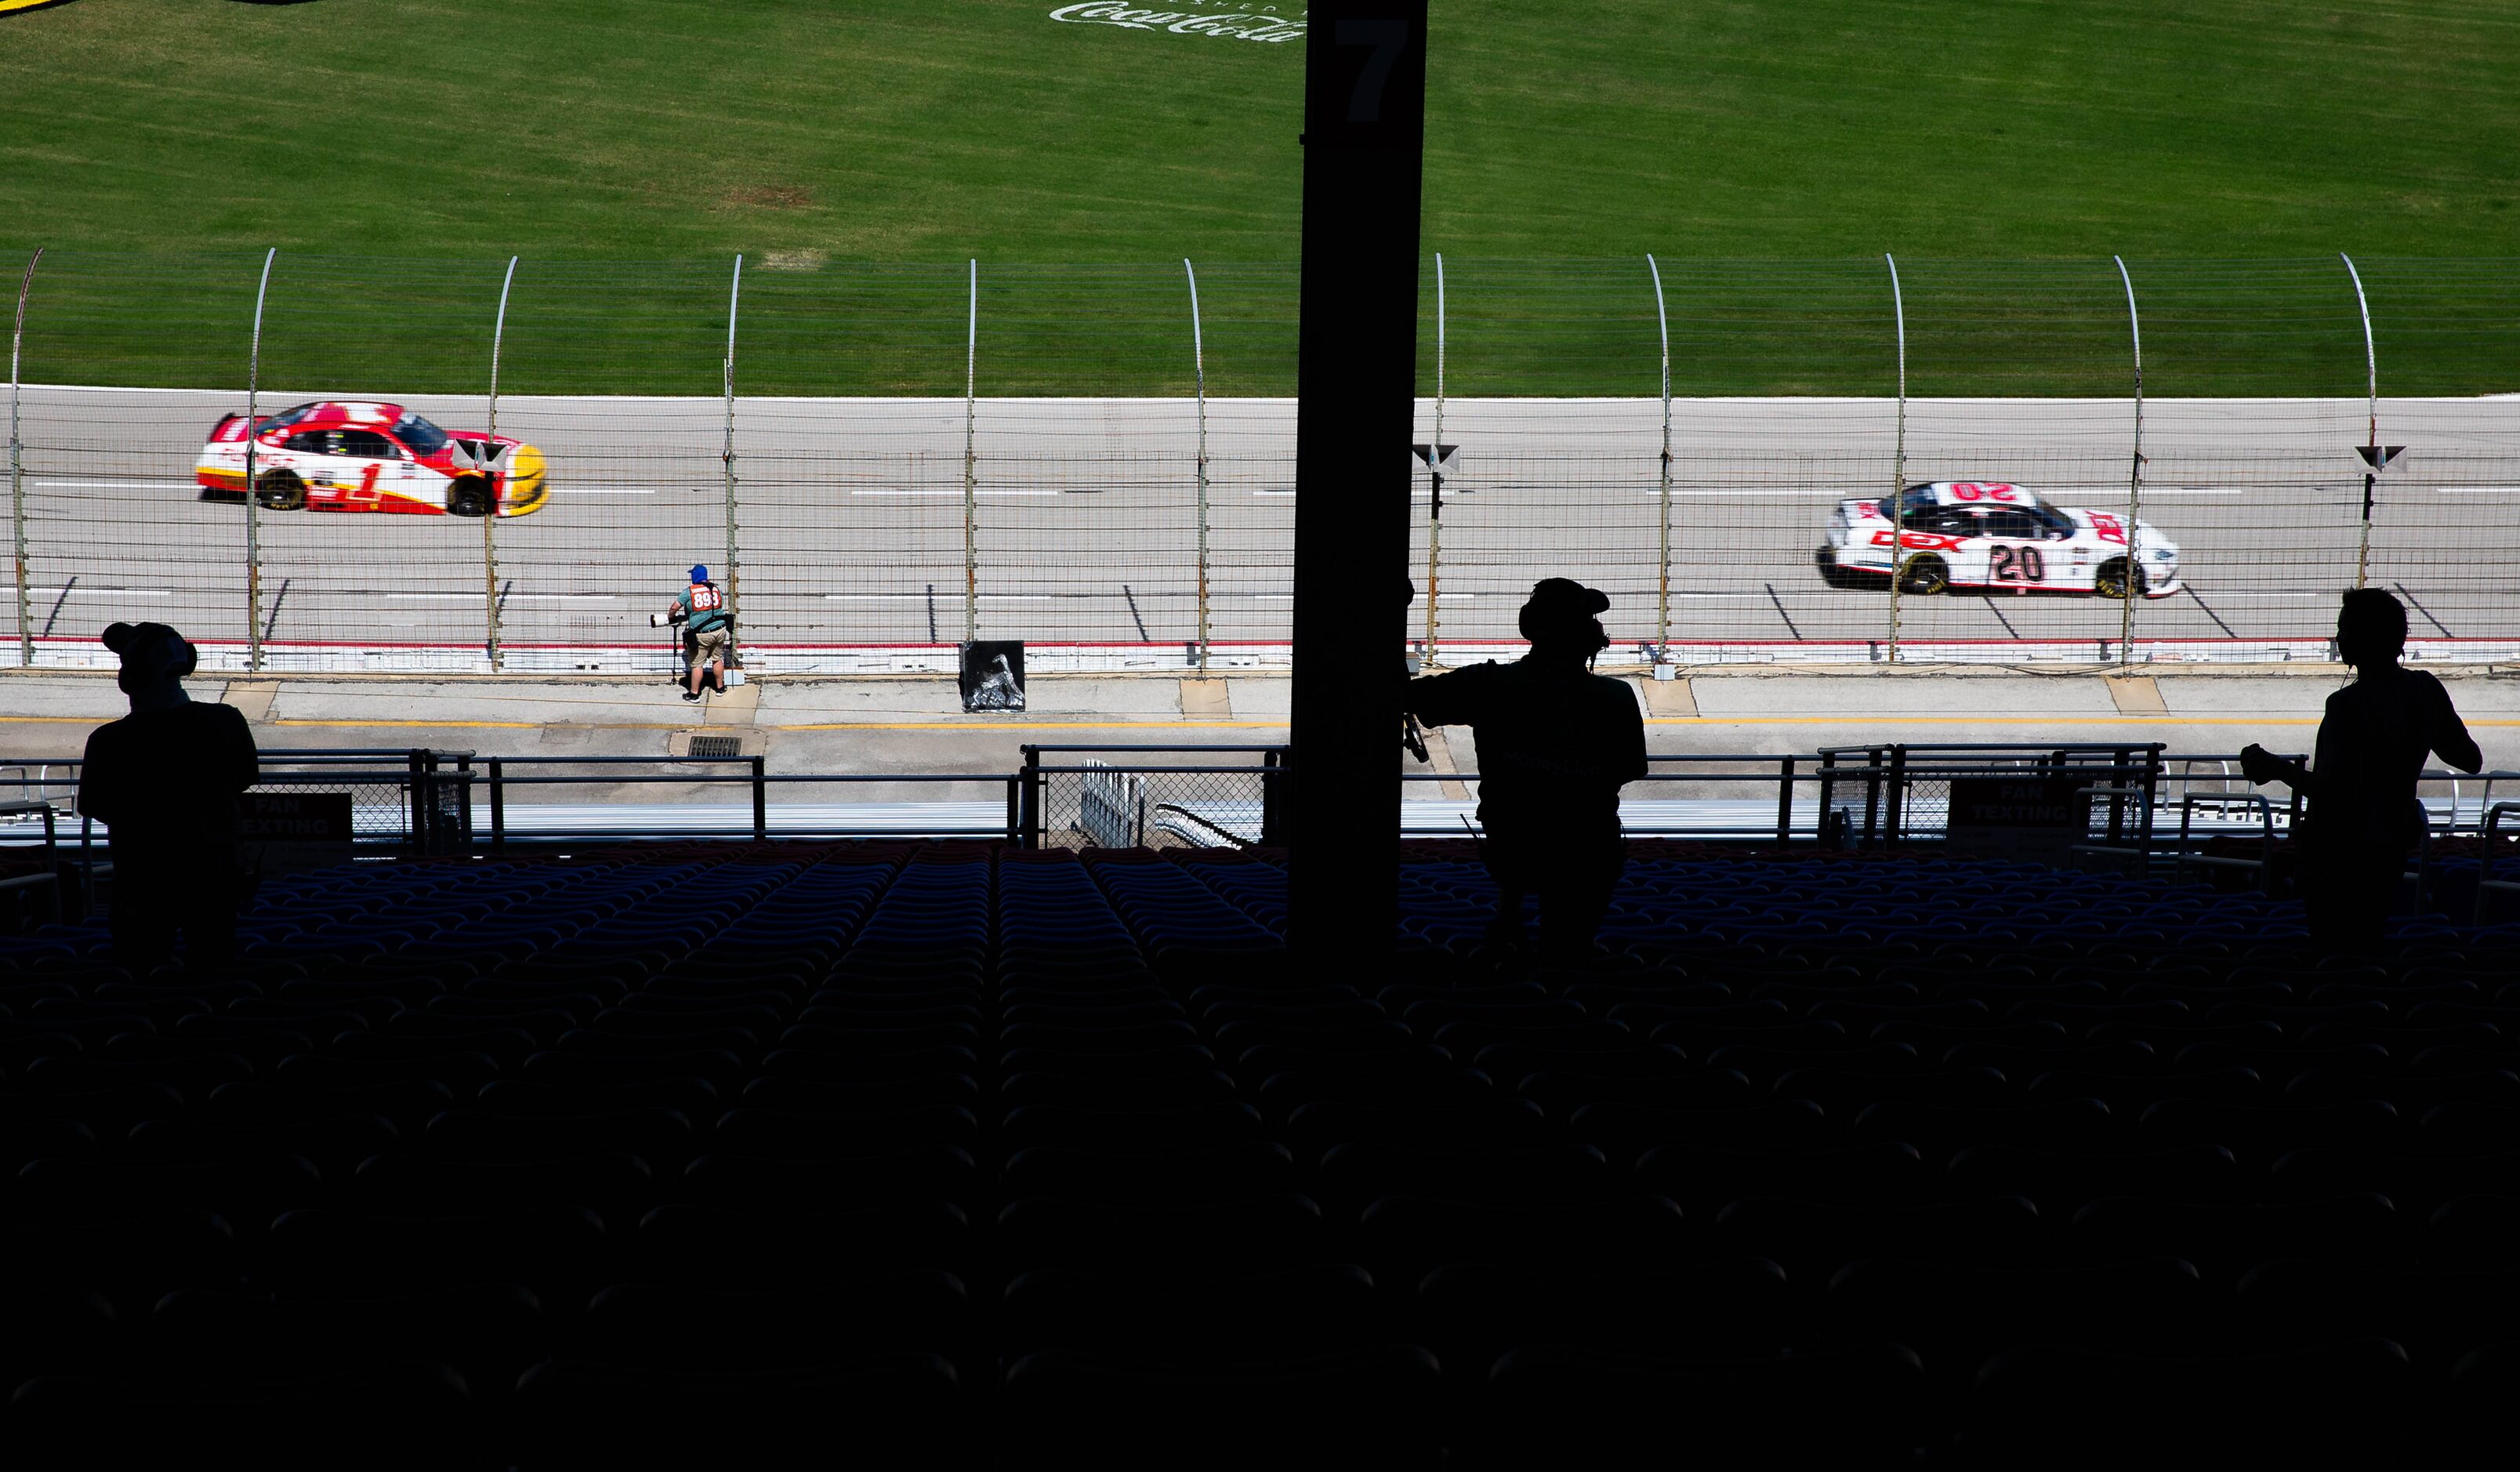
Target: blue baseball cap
x,y
700,574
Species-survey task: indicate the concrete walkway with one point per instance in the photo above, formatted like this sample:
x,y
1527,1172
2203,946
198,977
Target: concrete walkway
x,y
890,724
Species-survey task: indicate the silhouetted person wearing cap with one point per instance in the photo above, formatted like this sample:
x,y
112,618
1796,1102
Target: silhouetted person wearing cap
x,y
1555,742
165,781
2364,815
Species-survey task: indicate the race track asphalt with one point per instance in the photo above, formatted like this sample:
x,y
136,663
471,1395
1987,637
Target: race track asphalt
x,y
849,517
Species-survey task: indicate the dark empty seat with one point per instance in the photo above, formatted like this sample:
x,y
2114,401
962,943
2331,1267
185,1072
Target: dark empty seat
x,y
1197,1175
660,1325
2061,1183
1811,1239
1369,1407
893,1409
1403,1237
705,1246
487,1331
2338,1404
56,1331
1252,1234
1957,1313
2225,1240
406,1413
1353,1174
1705,1177
1555,1405
2438,1315
1475,1310
556,1251
1301,1312
838,1183
614,1183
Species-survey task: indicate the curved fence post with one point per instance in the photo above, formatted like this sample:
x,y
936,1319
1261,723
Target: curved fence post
x,y
253,495
2372,458
1434,467
18,468
1662,603
490,513
1199,364
970,463
2134,483
1898,462
734,567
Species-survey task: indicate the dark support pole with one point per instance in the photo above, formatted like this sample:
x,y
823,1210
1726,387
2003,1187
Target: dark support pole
x,y
1786,803
1365,124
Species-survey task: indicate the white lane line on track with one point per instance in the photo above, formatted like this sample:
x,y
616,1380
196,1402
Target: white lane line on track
x,y
2479,490
920,598
91,592
115,485
1002,491
510,597
619,490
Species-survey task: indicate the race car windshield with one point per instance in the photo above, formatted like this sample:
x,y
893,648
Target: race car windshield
x,y
419,435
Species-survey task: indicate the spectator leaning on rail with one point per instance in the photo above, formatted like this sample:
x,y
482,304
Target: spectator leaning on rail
x,y
707,631
1555,743
165,781
2364,815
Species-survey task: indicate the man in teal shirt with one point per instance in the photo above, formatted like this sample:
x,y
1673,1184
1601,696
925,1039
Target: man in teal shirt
x,y
707,631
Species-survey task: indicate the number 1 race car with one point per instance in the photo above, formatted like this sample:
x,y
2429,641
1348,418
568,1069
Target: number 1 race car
x,y
1988,535
353,455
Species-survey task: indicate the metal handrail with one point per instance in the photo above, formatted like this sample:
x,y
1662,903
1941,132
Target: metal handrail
x,y
2264,863
1184,815
49,880
2485,879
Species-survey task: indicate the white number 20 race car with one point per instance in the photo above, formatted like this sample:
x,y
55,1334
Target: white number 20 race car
x,y
357,455
1988,535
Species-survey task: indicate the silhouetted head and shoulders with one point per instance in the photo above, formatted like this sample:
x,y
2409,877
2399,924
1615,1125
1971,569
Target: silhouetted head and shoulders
x,y
2375,735
1546,724
168,774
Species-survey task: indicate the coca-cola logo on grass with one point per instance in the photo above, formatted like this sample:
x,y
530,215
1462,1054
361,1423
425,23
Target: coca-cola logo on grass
x,y
1262,25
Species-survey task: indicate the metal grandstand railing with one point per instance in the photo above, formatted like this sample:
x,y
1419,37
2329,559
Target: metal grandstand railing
x,y
2126,800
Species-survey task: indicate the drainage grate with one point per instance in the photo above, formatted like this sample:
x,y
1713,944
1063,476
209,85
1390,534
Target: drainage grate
x,y
717,745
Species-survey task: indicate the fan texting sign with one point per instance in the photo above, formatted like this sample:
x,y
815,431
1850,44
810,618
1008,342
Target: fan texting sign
x,y
2027,817
281,832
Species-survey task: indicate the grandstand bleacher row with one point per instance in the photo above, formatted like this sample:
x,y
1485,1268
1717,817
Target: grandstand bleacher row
x,y
968,1155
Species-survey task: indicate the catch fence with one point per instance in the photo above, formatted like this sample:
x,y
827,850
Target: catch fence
x,y
881,461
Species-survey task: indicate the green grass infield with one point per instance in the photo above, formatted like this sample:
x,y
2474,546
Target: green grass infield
x,y
859,153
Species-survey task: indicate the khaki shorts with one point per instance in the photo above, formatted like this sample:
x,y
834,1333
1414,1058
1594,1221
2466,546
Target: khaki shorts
x,y
704,646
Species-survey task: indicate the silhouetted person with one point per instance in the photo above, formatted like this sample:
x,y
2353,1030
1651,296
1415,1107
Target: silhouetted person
x,y
165,781
1555,742
2362,815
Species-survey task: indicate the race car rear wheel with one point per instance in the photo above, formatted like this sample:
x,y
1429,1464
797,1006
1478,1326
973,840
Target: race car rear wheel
x,y
469,497
1925,574
281,491
2111,580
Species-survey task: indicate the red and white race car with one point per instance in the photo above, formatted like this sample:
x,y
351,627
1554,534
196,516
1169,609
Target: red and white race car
x,y
1985,534
360,456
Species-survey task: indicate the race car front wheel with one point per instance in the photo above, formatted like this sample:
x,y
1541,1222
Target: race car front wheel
x,y
469,497
1925,574
279,491
2111,580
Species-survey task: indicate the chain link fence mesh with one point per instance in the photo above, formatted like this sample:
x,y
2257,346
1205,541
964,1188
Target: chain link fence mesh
x,y
881,460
